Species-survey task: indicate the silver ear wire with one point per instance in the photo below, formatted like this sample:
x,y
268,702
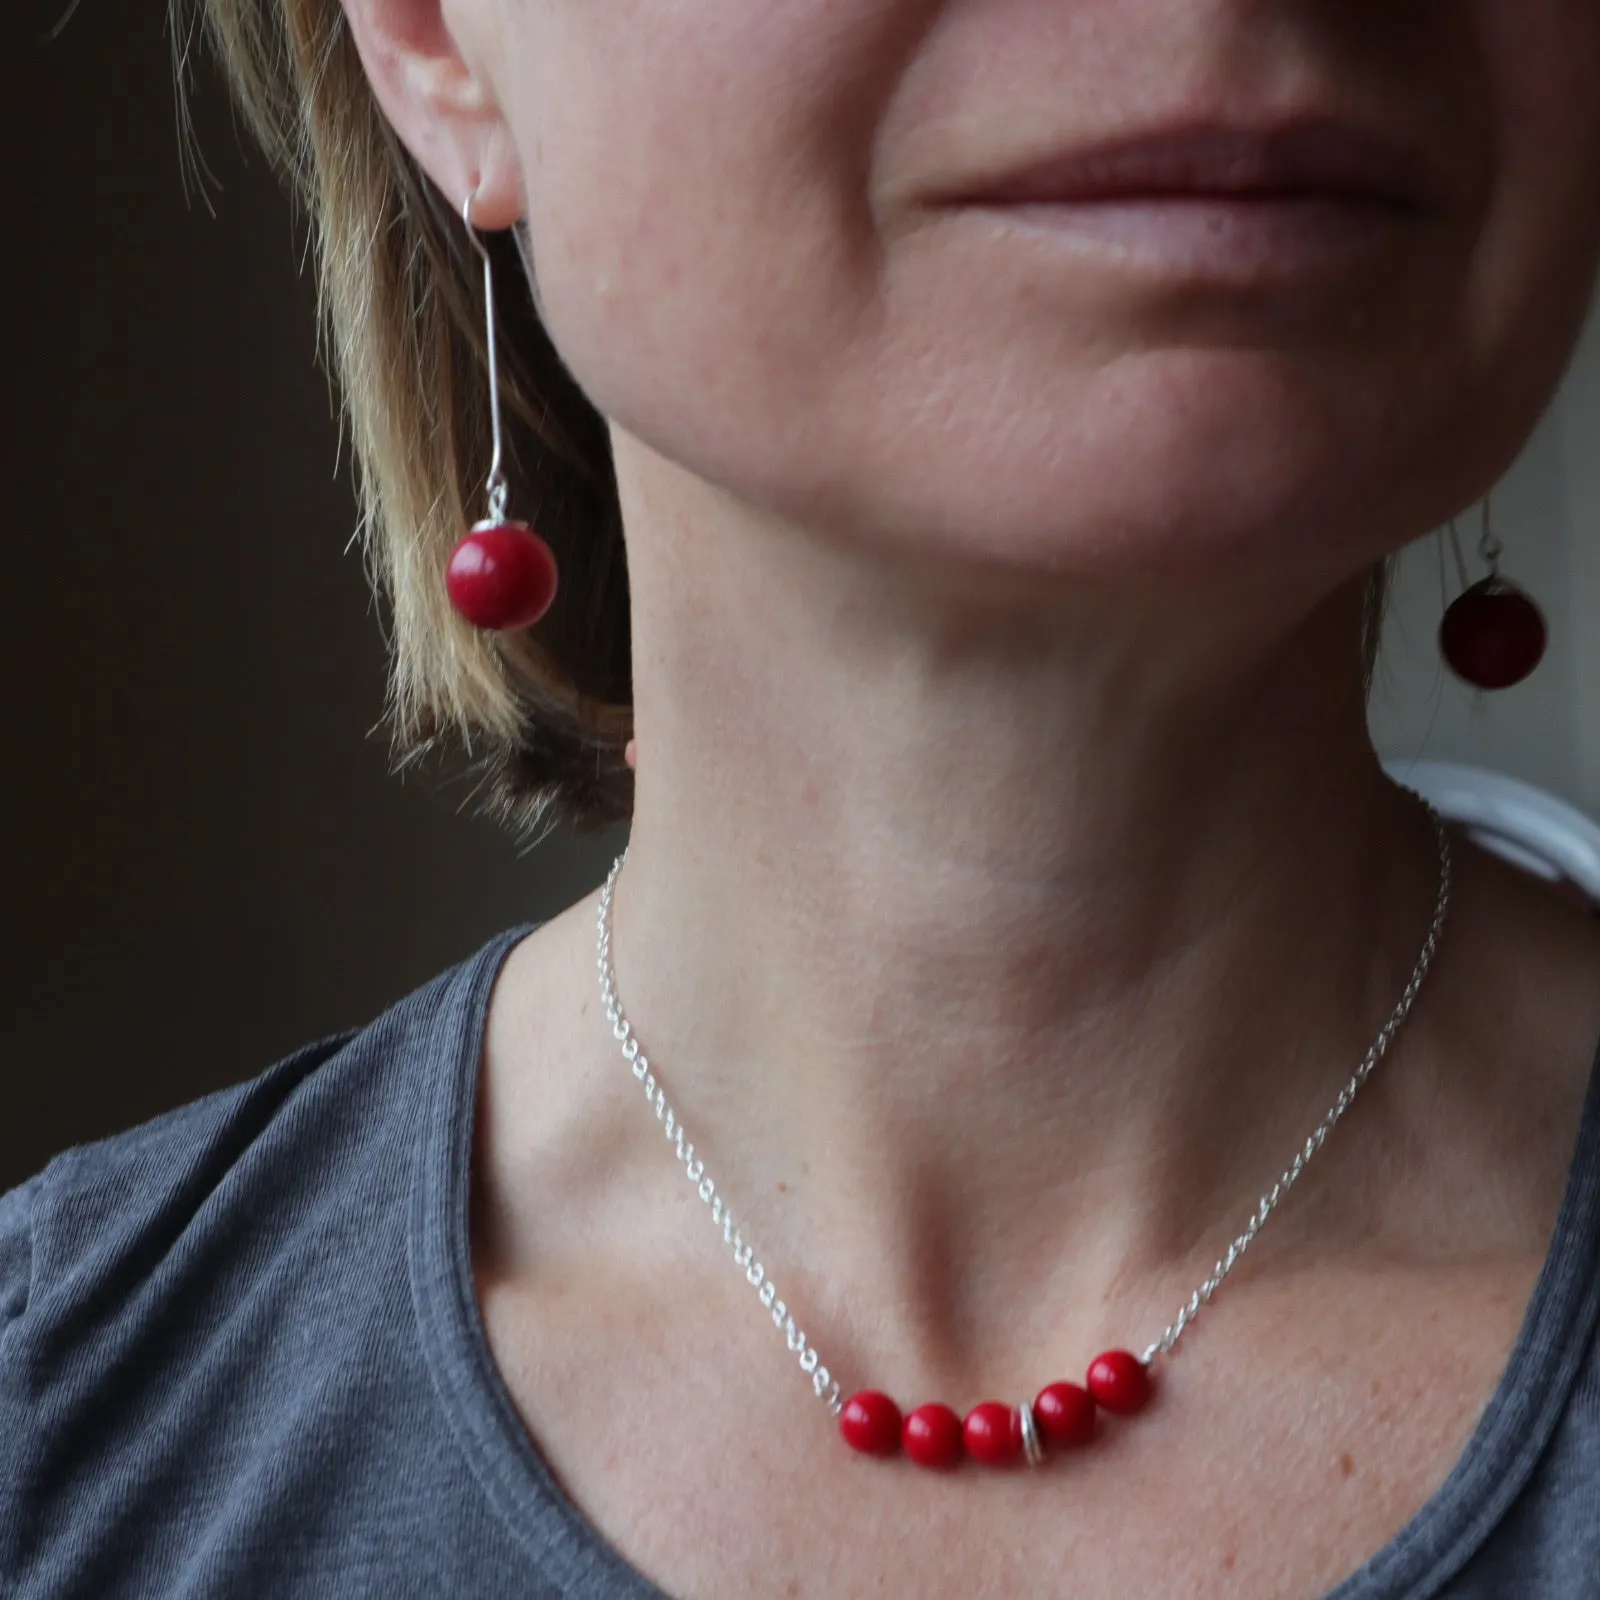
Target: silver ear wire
x,y
496,482
1453,533
1490,547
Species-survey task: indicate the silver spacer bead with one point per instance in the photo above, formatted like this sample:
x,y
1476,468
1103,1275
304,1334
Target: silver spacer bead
x,y
1032,1446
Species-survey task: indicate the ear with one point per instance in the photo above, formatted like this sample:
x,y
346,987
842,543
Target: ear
x,y
425,75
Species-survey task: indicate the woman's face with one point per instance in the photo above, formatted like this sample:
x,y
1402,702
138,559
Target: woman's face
x,y
1303,277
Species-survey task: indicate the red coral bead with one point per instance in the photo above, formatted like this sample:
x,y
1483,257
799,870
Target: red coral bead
x,y
501,576
1119,1381
870,1423
993,1434
1065,1414
1493,635
932,1436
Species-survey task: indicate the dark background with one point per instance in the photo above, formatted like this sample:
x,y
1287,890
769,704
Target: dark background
x,y
208,862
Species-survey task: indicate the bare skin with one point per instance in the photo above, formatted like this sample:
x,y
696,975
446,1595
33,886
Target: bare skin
x,y
1012,882
1306,1417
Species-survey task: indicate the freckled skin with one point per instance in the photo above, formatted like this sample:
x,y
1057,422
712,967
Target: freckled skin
x,y
738,259
1306,1434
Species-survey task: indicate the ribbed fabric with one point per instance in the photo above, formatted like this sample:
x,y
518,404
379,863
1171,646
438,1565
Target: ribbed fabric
x,y
240,1355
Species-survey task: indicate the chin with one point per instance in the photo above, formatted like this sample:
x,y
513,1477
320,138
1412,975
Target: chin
x,y
1172,467
1189,449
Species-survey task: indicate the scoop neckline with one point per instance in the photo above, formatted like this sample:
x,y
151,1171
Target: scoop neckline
x,y
569,1551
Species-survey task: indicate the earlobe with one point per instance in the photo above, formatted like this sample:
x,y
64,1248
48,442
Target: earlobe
x,y
440,103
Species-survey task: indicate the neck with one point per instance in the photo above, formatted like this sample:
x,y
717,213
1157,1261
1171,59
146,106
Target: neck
x,y
1007,942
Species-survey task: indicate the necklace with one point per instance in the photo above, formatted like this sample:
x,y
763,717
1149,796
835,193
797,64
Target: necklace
x,y
1062,1416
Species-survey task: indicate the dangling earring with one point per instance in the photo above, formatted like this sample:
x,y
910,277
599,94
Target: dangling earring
x,y
502,575
1492,635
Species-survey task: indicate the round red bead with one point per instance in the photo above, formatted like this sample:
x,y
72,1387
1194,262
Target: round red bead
x,y
870,1423
1493,635
501,576
993,1434
932,1436
1065,1414
1119,1381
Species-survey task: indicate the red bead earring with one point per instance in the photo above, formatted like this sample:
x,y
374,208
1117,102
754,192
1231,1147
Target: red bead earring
x,y
502,575
1493,634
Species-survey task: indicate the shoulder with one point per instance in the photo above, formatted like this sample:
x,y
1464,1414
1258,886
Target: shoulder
x,y
102,1201
77,1236
91,1200
327,1116
175,1298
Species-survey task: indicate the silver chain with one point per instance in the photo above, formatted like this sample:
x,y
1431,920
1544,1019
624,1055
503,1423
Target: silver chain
x,y
1380,1047
822,1381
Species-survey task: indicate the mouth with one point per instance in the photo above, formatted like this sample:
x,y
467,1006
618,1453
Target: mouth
x,y
1308,161
1212,202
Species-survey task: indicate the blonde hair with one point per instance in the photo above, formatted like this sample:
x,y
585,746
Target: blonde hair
x,y
542,715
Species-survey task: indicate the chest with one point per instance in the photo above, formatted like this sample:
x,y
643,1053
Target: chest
x,y
1288,1441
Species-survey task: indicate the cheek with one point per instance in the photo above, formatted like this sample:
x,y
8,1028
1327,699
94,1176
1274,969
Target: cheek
x,y
691,232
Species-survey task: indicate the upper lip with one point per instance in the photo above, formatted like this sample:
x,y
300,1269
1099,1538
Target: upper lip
x,y
1310,158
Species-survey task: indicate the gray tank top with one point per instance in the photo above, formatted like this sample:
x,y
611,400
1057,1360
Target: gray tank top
x,y
240,1355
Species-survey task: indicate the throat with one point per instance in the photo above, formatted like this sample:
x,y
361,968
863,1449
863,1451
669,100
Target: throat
x,y
965,1133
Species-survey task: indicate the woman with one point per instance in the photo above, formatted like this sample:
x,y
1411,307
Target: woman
x,y
1008,409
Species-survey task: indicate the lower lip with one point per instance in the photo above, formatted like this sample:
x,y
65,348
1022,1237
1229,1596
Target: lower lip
x,y
1237,238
